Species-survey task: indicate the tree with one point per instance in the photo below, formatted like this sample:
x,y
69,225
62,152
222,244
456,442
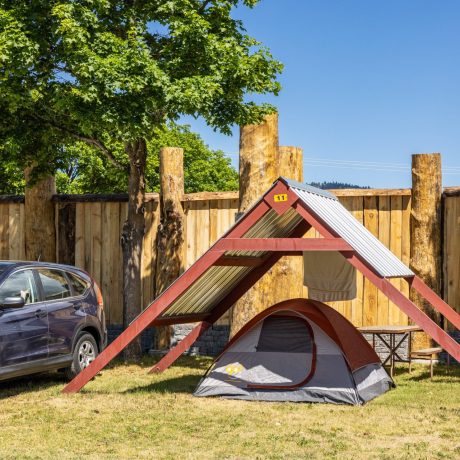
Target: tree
x,y
88,171
110,72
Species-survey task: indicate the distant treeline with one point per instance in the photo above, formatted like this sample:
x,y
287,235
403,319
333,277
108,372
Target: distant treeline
x,y
335,185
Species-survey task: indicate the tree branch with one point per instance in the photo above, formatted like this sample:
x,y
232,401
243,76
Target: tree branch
x,y
88,140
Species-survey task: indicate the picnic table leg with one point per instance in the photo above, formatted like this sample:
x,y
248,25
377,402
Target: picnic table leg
x,y
409,348
392,358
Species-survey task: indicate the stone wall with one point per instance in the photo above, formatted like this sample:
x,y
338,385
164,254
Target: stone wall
x,y
113,331
211,343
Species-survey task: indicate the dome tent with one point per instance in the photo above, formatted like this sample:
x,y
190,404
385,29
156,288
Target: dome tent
x,y
298,350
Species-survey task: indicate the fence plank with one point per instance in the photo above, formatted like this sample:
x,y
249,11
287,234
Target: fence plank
x,y
14,231
405,249
201,228
96,240
356,313
370,294
395,247
452,253
383,305
4,228
80,235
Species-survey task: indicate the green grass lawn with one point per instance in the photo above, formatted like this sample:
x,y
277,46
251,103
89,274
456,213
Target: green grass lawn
x,y
125,413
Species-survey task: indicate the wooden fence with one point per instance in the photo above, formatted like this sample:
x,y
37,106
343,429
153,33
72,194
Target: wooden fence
x,y
451,248
88,234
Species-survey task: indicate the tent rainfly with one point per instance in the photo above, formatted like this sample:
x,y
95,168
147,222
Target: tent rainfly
x,y
273,228
298,350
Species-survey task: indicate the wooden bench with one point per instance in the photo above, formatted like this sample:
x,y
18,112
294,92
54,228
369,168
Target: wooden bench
x,y
426,353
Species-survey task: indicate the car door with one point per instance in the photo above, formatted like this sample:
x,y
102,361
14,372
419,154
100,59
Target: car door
x,y
23,330
64,311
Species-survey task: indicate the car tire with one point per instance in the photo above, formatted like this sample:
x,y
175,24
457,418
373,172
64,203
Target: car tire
x,y
84,352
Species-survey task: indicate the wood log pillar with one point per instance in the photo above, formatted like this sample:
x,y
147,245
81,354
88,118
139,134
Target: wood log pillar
x,y
258,171
39,211
425,227
288,272
170,238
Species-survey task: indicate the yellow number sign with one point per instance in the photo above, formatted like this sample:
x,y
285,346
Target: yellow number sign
x,y
281,197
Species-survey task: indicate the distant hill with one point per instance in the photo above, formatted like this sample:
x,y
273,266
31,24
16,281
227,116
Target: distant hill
x,y
336,185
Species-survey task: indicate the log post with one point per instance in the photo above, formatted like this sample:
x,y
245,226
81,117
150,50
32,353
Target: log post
x,y
288,272
170,238
425,228
39,211
258,171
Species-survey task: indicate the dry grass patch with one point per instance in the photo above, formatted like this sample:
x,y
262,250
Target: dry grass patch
x,y
125,413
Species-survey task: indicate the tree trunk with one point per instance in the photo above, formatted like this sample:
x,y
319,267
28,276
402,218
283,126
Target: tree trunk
x,y
258,171
170,239
40,231
288,272
131,242
425,223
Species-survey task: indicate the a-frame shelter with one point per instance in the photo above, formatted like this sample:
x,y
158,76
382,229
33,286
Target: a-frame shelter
x,y
273,228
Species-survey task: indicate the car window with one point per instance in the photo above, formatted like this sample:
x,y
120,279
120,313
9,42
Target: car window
x,y
20,284
55,285
79,285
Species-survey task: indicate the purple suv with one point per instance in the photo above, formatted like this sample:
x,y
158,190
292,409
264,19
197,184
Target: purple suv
x,y
51,317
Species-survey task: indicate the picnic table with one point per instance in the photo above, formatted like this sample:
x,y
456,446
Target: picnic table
x,y
394,343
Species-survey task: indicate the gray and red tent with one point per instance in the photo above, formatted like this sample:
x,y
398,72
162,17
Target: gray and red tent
x,y
273,228
301,351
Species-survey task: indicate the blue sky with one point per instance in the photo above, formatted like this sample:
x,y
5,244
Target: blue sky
x,y
365,81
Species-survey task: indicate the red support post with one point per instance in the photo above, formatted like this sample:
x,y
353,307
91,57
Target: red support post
x,y
445,309
409,308
180,348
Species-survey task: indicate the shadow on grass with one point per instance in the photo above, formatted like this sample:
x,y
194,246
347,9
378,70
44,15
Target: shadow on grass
x,y
147,362
30,383
184,384
441,374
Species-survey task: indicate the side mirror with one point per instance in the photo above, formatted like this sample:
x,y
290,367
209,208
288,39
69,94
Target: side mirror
x,y
13,302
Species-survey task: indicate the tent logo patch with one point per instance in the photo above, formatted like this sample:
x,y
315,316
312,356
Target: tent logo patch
x,y
235,368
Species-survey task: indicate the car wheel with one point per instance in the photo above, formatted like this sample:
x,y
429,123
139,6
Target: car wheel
x,y
84,353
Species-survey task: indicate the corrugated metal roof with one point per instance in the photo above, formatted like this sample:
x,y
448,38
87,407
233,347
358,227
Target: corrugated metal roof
x,y
332,212
218,281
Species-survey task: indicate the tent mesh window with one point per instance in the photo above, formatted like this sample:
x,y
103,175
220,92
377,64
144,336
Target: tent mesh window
x,y
285,335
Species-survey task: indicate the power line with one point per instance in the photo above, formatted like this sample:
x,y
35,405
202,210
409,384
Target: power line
x,y
363,165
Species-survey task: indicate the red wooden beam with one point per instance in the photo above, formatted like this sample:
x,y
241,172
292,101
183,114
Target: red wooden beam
x,y
180,348
408,307
159,305
445,309
282,244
